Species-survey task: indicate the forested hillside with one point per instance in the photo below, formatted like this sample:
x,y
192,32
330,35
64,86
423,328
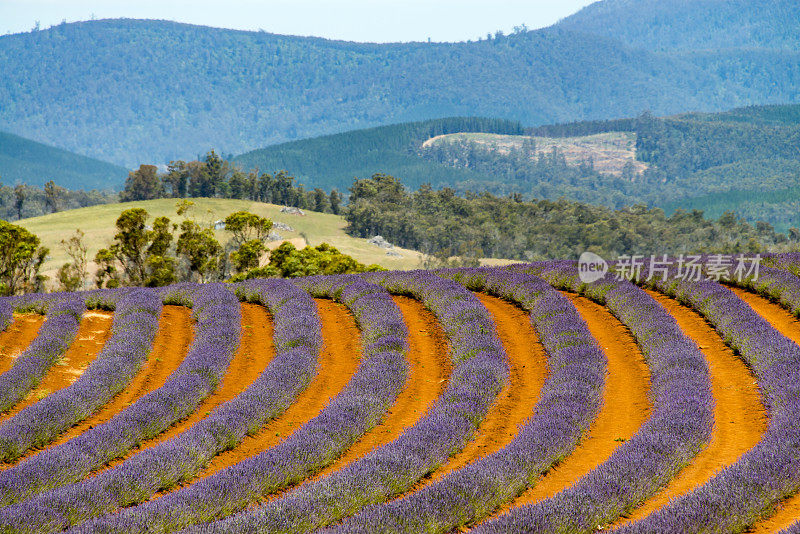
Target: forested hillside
x,y
448,224
746,160
333,161
154,91
28,162
692,24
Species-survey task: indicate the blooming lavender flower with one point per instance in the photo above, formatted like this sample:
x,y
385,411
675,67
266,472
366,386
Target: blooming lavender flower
x,y
216,312
6,313
570,399
740,494
477,378
134,326
55,336
393,468
680,423
297,341
359,407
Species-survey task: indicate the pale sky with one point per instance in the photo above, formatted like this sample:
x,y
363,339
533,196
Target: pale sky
x,y
351,20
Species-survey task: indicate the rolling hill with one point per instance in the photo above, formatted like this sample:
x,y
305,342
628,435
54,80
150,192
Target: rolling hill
x,y
97,222
152,91
745,160
32,163
333,161
666,25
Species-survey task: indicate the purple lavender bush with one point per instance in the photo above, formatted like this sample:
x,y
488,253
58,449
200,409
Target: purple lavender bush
x,y
481,367
741,494
217,316
680,423
55,336
6,313
570,399
297,340
135,324
360,406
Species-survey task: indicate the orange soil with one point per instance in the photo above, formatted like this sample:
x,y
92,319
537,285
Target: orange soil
x,y
17,337
625,404
739,417
255,352
429,370
338,361
516,401
93,331
788,511
170,346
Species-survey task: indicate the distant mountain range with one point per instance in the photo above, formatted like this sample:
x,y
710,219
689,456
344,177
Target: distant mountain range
x,y
28,162
133,91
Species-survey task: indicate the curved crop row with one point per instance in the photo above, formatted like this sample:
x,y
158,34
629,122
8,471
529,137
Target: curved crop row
x,y
297,341
216,311
55,336
570,399
679,426
480,369
359,407
739,495
6,313
135,324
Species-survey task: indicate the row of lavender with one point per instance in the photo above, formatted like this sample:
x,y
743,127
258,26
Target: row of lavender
x,y
63,316
741,494
216,314
297,340
479,371
679,425
134,326
603,504
569,400
358,408
6,313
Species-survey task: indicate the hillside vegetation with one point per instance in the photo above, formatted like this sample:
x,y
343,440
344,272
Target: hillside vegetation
x,y
508,227
97,222
692,25
28,162
154,91
745,160
333,161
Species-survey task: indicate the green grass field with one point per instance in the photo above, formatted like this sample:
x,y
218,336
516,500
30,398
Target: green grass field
x,y
97,222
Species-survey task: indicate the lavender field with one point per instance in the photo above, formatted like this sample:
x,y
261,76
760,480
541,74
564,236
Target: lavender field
x,y
492,400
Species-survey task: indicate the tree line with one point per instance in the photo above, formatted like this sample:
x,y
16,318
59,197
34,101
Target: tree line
x,y
22,201
445,223
217,177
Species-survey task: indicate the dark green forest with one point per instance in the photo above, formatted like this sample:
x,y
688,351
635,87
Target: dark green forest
x,y
746,160
158,91
447,224
333,161
28,162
